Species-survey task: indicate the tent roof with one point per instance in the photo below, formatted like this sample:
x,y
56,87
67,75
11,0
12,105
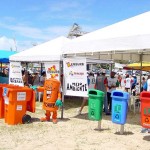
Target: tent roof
x,y
137,25
4,55
128,36
49,51
137,66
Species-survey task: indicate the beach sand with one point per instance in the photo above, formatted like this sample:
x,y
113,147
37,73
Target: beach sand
x,y
73,132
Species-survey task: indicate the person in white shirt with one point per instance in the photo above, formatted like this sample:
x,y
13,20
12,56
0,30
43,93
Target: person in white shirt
x,y
128,83
112,84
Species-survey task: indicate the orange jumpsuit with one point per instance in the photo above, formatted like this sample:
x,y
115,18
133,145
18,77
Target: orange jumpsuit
x,y
51,93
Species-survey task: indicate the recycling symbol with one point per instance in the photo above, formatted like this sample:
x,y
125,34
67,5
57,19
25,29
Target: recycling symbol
x,y
92,112
117,116
146,120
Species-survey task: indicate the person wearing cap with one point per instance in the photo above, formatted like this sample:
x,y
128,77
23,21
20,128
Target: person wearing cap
x,y
112,84
101,84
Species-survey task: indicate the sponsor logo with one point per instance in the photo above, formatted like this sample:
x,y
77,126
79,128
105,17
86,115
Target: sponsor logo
x,y
76,73
53,71
69,64
15,66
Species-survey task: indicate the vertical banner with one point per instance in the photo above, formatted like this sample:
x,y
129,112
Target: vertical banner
x,y
75,77
52,70
15,74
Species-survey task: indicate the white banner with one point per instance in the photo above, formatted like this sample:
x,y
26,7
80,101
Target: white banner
x,y
75,77
52,70
15,74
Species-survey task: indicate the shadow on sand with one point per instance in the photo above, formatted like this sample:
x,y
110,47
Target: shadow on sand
x,y
146,138
124,133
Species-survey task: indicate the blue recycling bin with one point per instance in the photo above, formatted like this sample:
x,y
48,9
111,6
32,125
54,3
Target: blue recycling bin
x,y
119,106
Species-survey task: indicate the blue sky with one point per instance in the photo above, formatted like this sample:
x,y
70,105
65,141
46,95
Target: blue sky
x,y
28,22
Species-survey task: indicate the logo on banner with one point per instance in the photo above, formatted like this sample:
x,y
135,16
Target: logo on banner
x,y
69,64
76,86
76,73
15,66
53,71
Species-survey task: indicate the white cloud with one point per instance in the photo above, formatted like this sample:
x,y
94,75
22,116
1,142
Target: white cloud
x,y
7,43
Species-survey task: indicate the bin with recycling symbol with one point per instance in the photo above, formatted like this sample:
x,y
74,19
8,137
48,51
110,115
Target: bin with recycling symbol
x,y
119,106
145,109
95,104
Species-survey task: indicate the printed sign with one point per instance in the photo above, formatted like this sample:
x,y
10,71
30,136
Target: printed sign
x,y
147,111
75,77
19,107
117,113
21,96
52,70
15,74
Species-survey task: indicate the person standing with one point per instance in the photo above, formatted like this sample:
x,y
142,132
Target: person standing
x,y
91,84
128,83
101,84
112,84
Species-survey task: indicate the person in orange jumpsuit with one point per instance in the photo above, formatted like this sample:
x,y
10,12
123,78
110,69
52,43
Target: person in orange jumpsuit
x,y
51,99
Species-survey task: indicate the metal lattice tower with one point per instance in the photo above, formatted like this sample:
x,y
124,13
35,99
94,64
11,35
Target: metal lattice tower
x,y
75,31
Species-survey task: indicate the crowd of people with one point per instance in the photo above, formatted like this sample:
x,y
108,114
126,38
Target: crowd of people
x,y
34,78
128,83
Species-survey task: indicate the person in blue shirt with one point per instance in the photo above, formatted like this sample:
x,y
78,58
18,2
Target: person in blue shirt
x,y
134,82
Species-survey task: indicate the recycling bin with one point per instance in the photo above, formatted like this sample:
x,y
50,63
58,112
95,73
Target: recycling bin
x,y
16,104
2,99
1,103
119,106
95,104
145,109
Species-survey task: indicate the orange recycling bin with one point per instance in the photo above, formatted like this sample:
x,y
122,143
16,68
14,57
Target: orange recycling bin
x,y
17,103
1,98
145,109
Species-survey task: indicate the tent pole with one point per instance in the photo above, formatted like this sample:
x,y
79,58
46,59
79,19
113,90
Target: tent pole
x,y
41,68
141,57
62,87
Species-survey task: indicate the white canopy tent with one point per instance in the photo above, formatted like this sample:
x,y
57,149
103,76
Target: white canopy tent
x,y
49,51
126,40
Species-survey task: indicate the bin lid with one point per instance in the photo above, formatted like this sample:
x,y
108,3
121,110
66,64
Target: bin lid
x,y
119,93
95,92
145,95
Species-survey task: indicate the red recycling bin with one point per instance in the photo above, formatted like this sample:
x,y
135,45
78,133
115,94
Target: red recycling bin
x,y
145,109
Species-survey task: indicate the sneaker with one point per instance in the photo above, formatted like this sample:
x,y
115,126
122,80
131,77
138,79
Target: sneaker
x,y
108,114
54,121
43,119
78,112
144,130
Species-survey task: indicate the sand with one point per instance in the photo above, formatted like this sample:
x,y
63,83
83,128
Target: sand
x,y
73,132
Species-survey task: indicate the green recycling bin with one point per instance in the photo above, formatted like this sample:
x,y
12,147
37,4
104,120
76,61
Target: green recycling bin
x,y
95,104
